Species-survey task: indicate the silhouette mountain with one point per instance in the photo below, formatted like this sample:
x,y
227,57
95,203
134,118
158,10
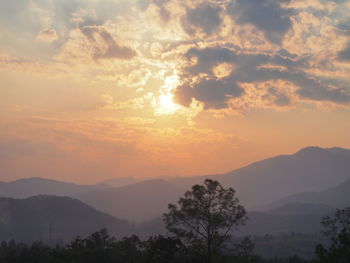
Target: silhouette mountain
x,y
260,183
338,196
289,218
23,188
308,171
35,217
135,202
263,182
122,181
301,209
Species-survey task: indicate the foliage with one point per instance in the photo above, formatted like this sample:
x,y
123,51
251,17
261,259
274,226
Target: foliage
x,y
337,228
100,247
205,217
160,249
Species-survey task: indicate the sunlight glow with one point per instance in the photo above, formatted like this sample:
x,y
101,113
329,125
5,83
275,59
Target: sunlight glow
x,y
165,104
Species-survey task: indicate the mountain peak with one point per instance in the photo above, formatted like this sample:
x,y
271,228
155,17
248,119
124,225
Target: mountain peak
x,y
314,150
310,149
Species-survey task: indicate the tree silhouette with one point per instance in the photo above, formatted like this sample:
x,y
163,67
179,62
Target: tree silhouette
x,y
338,229
204,217
160,249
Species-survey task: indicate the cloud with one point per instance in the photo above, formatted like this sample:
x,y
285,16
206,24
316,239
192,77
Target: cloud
x,y
214,93
47,35
13,63
344,55
104,45
201,83
266,15
205,17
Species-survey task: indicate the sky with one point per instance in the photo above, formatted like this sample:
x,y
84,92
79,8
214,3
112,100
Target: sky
x,y
97,89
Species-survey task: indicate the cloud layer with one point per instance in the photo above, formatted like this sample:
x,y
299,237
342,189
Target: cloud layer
x,y
171,85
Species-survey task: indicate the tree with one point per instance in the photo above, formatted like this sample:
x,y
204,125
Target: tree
x,y
204,217
337,228
160,249
98,247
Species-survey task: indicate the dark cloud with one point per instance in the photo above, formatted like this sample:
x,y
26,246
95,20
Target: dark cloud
x,y
266,15
344,55
279,98
105,47
213,92
205,17
250,68
160,3
164,14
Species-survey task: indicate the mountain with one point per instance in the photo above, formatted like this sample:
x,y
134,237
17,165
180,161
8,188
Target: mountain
x,y
267,224
301,209
309,170
289,218
35,186
30,219
338,196
136,202
122,181
260,183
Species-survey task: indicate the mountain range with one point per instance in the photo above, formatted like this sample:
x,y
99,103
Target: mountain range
x,y
287,193
257,185
135,202
338,196
27,187
263,182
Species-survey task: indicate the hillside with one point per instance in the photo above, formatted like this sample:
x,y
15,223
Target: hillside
x,y
301,209
308,171
30,219
135,202
263,182
23,188
338,196
290,218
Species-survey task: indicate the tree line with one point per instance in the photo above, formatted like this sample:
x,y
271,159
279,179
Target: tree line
x,y
199,228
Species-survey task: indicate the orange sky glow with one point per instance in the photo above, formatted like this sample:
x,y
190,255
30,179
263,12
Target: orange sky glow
x,y
91,90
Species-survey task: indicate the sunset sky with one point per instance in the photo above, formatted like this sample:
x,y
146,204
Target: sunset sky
x,y
96,89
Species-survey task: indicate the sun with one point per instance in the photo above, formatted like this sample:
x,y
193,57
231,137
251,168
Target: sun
x,y
165,104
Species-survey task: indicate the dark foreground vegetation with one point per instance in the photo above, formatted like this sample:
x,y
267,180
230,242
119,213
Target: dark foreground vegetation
x,y
199,229
99,247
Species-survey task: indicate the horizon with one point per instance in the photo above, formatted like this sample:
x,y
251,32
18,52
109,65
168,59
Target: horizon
x,y
92,90
164,177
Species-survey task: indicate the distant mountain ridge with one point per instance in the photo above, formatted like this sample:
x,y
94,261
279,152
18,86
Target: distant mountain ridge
x,y
291,218
135,202
301,209
338,196
52,217
310,169
23,188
